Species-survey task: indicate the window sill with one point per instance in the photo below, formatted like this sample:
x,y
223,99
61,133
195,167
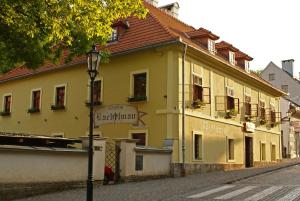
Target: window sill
x,y
137,99
88,104
33,110
198,160
5,114
58,107
231,161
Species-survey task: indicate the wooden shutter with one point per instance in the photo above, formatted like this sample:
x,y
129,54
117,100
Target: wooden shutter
x,y
206,95
220,102
237,105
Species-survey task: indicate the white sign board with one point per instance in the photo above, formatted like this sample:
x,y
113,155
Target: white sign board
x,y
115,114
249,127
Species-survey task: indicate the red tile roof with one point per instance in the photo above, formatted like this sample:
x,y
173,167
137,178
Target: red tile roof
x,y
201,32
224,45
157,28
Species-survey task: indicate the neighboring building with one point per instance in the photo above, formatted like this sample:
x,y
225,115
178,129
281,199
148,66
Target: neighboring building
x,y
283,79
221,96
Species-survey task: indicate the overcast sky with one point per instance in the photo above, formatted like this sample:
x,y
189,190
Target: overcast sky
x,y
267,30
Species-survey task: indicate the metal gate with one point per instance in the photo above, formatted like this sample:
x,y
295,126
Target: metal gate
x,y
112,162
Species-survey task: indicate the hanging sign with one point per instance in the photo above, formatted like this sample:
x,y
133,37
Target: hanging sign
x,y
115,114
249,127
296,125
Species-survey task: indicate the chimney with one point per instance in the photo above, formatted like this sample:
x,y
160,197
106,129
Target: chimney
x,y
288,66
172,9
153,2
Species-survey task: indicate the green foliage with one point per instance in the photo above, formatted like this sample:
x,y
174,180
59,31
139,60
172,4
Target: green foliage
x,y
32,31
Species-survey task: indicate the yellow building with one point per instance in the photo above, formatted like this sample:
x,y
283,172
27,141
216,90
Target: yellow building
x,y
221,96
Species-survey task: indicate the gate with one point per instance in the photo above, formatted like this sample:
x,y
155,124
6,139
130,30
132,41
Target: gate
x,y
112,162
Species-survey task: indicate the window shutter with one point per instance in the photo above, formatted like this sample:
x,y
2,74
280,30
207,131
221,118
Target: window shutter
x,y
206,95
237,105
220,103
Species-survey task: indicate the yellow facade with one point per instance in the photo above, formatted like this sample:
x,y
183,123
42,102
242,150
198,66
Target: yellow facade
x,y
163,66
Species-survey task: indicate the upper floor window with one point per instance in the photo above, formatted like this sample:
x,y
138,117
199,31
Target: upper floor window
x,y
247,66
139,87
60,98
114,35
197,88
271,76
247,105
35,101
232,58
262,111
7,103
285,88
211,46
97,91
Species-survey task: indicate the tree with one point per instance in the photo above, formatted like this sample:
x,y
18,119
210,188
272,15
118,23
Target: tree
x,y
33,31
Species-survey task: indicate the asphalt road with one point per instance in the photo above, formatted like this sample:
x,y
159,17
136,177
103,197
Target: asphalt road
x,y
282,185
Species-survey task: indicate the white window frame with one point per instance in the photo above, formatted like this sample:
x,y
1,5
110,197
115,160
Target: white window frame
x,y
227,149
273,78
131,89
202,146
247,66
31,97
89,91
3,101
211,46
232,57
130,132
261,151
54,93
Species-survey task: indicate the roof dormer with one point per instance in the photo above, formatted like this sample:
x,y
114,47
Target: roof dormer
x,y
118,28
243,60
205,37
227,51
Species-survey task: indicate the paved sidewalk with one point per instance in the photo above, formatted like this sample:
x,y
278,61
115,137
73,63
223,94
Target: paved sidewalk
x,y
161,189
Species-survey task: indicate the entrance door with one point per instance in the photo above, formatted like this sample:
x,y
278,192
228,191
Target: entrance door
x,y
248,152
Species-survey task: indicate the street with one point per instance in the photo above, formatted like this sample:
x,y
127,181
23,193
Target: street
x,y
281,185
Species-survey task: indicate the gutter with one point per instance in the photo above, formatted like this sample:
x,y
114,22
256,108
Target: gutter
x,y
183,110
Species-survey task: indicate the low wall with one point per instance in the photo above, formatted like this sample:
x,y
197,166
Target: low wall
x,y
155,161
37,165
142,162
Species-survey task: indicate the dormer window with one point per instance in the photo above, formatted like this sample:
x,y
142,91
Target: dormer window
x,y
231,58
247,66
114,35
211,46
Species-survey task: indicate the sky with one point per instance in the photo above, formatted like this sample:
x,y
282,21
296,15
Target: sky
x,y
267,30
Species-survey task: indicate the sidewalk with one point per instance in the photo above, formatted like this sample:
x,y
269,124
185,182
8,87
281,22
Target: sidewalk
x,y
161,189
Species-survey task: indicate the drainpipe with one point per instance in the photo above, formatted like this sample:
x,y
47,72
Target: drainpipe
x,y
183,112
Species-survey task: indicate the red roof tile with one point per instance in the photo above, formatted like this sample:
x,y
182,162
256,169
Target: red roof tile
x,y
158,27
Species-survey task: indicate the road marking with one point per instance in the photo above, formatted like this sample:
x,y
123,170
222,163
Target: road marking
x,y
264,193
209,192
291,196
235,193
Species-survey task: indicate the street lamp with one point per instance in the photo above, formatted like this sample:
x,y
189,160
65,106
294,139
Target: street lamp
x,y
93,61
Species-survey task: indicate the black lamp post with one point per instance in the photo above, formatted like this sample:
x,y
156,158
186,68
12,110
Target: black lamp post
x,y
93,60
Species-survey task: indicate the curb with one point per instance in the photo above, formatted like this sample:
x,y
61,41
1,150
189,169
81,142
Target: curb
x,y
263,172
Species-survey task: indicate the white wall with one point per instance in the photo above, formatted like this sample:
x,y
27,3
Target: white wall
x,y
21,164
155,163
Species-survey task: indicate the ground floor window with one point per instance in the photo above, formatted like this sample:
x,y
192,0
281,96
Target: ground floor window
x,y
230,149
141,137
198,155
263,151
273,152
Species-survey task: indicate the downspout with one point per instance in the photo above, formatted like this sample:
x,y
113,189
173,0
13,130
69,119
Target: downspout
x,y
183,111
